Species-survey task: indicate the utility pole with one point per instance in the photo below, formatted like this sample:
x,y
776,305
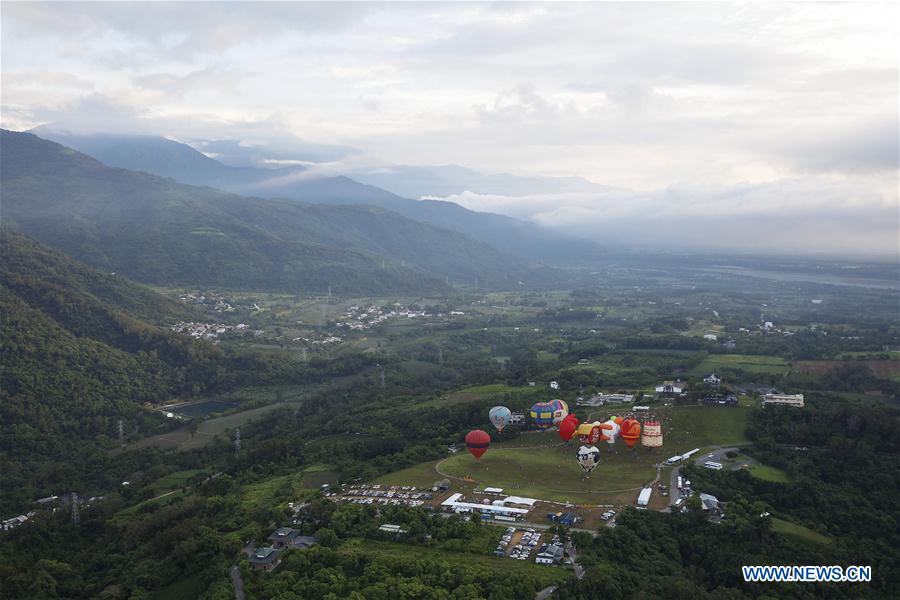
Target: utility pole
x,y
121,432
441,357
237,441
382,377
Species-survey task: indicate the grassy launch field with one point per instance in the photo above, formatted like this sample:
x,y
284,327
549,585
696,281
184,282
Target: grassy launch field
x,y
540,465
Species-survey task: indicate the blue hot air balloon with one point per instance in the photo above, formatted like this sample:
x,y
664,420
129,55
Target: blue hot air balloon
x,y
548,414
500,417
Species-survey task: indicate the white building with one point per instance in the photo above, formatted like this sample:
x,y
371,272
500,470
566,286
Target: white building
x,y
795,400
710,336
712,380
689,453
644,497
709,502
452,504
601,399
668,388
550,555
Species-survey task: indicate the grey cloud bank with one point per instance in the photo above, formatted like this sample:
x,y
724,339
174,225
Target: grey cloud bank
x,y
777,121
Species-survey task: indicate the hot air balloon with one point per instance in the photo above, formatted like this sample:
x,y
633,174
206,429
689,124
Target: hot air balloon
x,y
500,417
588,458
547,414
612,432
652,437
568,427
477,441
596,432
631,432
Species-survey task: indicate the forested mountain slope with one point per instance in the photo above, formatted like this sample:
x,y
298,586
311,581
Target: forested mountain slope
x,y
168,158
76,355
158,231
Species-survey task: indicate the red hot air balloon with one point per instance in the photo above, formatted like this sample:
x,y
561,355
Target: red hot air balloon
x,y
631,432
568,427
477,441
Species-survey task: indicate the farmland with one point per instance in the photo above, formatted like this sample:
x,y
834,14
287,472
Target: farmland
x,y
742,362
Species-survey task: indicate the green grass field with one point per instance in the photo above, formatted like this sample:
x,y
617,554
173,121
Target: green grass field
x,y
798,531
314,476
539,465
545,574
745,362
421,475
552,473
767,473
172,481
263,493
181,439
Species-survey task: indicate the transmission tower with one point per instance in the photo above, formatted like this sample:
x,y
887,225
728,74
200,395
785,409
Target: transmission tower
x,y
237,441
121,431
76,517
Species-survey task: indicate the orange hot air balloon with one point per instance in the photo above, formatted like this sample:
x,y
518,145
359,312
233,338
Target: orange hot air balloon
x,y
631,432
477,441
568,427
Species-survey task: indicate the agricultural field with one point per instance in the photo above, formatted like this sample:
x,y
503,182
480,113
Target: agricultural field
x,y
884,368
717,363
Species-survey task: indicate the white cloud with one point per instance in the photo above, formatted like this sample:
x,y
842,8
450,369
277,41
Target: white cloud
x,y
807,214
642,96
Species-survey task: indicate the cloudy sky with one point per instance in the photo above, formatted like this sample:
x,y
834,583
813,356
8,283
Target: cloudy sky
x,y
755,124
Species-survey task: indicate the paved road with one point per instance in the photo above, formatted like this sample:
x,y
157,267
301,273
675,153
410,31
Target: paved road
x,y
237,582
713,453
545,593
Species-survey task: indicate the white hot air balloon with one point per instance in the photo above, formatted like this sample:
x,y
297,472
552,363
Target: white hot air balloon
x,y
588,458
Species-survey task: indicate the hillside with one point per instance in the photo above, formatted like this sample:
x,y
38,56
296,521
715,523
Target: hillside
x,y
76,355
158,231
167,158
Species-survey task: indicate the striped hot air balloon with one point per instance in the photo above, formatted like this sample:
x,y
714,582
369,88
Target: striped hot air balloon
x,y
477,441
548,414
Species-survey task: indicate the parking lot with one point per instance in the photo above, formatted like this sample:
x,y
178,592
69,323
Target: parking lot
x,y
518,544
406,495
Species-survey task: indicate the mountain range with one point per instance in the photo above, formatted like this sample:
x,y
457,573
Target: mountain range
x,y
157,230
181,162
79,350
